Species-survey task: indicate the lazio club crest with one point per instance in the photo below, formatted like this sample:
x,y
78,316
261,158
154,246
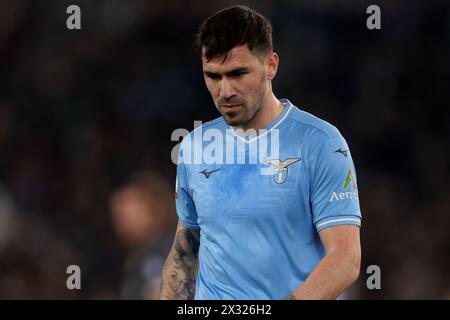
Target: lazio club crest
x,y
281,171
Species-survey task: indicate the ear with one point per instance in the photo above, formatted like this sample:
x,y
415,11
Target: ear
x,y
272,61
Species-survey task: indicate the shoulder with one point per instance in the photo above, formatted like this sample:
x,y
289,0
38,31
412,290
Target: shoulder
x,y
312,126
317,136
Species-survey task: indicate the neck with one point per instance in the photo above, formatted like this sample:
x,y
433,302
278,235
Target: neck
x,y
270,109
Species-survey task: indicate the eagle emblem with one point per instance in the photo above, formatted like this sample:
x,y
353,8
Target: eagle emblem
x,y
281,171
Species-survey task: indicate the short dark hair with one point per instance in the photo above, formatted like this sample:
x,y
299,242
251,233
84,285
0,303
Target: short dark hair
x,y
231,27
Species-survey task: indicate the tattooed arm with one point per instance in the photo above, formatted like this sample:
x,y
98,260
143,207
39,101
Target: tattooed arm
x,y
180,269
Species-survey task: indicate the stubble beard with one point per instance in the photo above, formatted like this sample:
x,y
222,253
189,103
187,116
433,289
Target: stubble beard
x,y
247,114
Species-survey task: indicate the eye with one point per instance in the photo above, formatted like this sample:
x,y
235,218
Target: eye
x,y
238,74
213,76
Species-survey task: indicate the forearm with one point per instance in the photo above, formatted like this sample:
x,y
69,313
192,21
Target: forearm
x,y
180,270
178,278
335,273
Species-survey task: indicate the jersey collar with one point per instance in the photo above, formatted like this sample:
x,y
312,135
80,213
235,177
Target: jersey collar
x,y
273,125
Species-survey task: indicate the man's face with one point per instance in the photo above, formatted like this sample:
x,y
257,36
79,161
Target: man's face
x,y
237,85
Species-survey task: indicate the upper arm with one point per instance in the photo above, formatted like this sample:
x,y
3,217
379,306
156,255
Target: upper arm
x,y
343,238
185,206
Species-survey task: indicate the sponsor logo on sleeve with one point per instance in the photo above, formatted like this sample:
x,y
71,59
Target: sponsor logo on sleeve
x,y
347,195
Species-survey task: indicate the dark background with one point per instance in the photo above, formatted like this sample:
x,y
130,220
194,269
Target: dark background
x,y
86,118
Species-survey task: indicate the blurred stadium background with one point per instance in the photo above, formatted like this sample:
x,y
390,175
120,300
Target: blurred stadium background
x,y
86,117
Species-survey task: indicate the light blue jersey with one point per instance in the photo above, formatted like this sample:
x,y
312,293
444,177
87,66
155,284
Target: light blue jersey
x,y
260,220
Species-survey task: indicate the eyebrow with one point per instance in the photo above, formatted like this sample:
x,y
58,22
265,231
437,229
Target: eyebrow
x,y
228,73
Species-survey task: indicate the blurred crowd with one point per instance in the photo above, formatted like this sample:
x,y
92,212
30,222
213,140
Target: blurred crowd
x,y
86,117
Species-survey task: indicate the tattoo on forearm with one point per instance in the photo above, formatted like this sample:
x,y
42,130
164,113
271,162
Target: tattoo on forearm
x,y
180,269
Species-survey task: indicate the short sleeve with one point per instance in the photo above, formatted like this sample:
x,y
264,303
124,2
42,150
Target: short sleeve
x,y
334,192
185,206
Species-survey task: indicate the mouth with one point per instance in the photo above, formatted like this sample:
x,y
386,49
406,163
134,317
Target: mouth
x,y
230,108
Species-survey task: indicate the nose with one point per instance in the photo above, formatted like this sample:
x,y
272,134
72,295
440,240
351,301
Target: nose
x,y
226,89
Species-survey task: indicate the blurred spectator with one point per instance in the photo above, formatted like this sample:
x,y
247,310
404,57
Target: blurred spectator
x,y
143,218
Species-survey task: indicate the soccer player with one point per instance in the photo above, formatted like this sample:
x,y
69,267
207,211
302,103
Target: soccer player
x,y
243,234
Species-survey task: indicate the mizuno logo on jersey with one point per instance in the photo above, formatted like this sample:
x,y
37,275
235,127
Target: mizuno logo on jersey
x,y
207,174
344,152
